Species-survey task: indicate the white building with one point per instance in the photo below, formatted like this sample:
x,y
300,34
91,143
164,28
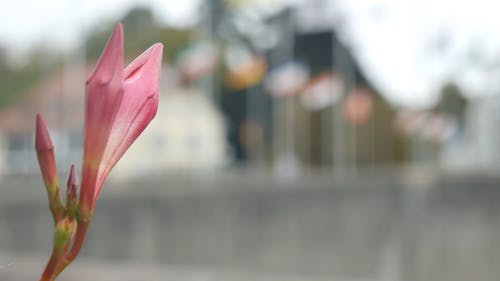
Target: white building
x,y
187,134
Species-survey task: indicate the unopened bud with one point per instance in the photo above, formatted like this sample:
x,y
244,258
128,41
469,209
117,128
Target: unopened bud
x,y
45,153
46,159
72,193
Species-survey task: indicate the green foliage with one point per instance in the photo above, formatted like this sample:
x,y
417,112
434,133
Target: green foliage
x,y
14,82
140,31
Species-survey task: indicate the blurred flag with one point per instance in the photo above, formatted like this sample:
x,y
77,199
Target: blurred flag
x,y
287,80
198,60
433,127
358,105
322,91
243,69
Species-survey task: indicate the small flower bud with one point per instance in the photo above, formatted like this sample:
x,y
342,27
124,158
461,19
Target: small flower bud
x,y
45,153
71,194
46,159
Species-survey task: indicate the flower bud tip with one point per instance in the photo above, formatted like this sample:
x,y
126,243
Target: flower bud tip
x,y
42,137
72,179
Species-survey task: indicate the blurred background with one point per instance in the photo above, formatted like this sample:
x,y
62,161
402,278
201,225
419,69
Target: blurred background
x,y
295,140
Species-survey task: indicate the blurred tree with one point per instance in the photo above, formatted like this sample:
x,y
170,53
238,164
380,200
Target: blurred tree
x,y
3,60
14,81
141,30
452,102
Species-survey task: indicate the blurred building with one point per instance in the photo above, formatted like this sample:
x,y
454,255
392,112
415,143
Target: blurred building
x,y
353,129
188,134
59,97
346,122
292,125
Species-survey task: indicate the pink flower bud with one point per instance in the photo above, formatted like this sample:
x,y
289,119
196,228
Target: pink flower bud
x,y
71,193
120,103
45,153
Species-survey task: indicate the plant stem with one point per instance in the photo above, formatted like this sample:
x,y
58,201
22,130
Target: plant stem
x,y
81,231
50,268
60,257
55,205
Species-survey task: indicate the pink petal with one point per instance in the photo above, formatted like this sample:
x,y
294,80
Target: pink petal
x,y
138,107
104,92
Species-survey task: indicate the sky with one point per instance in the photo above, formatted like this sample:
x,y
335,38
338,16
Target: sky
x,y
407,48
62,23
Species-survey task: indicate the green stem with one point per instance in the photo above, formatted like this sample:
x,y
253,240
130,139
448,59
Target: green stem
x,y
55,205
63,236
81,231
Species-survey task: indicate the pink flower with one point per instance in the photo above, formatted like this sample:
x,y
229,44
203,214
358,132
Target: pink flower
x,y
120,103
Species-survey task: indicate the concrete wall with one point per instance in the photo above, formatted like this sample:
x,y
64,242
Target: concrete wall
x,y
365,226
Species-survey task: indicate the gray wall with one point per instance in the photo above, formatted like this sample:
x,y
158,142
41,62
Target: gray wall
x,y
403,225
